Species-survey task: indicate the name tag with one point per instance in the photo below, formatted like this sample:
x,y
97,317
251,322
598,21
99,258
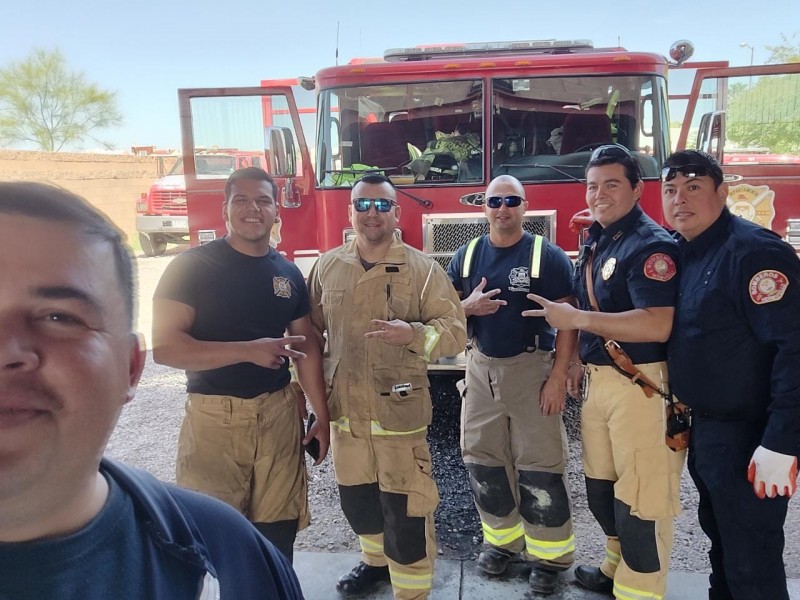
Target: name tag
x,y
401,387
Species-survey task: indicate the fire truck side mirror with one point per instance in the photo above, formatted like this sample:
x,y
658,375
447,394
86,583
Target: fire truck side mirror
x,y
711,134
279,151
681,51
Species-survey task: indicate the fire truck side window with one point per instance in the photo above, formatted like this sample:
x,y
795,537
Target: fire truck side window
x,y
545,128
425,132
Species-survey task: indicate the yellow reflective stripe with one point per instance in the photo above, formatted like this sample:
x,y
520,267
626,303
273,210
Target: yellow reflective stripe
x,y
409,581
343,424
431,339
549,550
370,546
376,429
536,256
612,557
622,592
501,537
468,254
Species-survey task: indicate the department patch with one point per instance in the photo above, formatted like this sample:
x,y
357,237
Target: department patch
x,y
519,280
768,286
755,203
282,287
660,267
608,268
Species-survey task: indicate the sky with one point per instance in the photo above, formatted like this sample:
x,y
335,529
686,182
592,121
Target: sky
x,y
145,51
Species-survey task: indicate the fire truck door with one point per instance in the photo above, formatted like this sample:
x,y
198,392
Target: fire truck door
x,y
256,126
748,118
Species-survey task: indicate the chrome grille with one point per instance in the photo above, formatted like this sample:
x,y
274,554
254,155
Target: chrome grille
x,y
172,201
442,235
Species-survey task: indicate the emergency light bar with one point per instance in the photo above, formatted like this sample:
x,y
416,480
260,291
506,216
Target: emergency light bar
x,y
483,48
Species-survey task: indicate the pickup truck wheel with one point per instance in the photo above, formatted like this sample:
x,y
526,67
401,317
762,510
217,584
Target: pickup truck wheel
x,y
153,245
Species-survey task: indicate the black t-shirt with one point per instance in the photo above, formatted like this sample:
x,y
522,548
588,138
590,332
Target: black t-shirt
x,y
236,297
103,560
506,332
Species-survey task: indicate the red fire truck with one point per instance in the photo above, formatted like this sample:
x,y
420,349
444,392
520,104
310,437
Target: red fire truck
x,y
441,121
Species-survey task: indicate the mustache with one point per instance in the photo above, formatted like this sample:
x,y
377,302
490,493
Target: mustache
x,y
28,394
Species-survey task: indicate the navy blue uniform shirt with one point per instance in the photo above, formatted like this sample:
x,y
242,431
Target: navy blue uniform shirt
x,y
506,332
734,353
634,267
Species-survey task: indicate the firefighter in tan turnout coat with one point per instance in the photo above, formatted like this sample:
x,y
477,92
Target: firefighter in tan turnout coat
x,y
387,309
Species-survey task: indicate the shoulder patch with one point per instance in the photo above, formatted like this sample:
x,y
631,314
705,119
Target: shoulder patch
x,y
768,286
660,267
282,287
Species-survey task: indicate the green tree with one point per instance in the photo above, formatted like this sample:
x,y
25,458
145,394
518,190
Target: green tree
x,y
766,115
786,52
44,103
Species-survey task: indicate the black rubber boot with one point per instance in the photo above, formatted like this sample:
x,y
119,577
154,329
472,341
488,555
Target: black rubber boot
x,y
592,578
362,578
543,581
494,561
282,535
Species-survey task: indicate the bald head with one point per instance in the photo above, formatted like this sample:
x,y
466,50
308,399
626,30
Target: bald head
x,y
505,208
505,185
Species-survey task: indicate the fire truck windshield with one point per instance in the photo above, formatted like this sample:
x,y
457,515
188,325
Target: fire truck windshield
x,y
541,128
220,165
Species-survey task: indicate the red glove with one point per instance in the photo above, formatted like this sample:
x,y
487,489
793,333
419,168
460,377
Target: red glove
x,y
772,474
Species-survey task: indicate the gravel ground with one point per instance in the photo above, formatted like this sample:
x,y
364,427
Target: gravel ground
x,y
146,437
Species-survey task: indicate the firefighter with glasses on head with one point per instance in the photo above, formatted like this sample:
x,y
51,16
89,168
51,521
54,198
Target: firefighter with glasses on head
x,y
388,310
513,439
733,356
626,284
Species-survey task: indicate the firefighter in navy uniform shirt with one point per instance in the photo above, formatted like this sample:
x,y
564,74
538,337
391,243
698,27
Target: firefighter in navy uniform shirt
x,y
513,440
632,477
734,357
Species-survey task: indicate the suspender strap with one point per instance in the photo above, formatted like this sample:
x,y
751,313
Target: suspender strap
x,y
466,267
537,252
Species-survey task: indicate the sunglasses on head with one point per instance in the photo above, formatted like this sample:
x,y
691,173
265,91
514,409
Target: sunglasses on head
x,y
688,171
497,201
383,205
610,151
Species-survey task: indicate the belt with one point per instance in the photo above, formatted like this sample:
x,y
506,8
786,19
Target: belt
x,y
471,343
536,346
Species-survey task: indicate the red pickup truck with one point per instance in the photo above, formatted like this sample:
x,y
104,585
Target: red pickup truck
x,y
161,214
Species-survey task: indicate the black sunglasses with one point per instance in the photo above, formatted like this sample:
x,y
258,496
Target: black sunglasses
x,y
688,171
611,151
497,201
383,205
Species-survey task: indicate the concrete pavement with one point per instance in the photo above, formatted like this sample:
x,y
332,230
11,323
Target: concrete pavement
x,y
454,580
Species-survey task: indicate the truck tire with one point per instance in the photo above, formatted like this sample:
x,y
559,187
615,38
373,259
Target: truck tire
x,y
152,245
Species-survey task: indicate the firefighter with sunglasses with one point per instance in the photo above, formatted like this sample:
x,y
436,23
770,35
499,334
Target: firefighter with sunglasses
x,y
513,440
733,355
626,284
388,309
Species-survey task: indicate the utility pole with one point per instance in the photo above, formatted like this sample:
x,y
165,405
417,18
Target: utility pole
x,y
746,45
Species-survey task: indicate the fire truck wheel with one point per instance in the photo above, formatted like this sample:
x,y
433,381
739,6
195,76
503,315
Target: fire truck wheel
x,y
152,245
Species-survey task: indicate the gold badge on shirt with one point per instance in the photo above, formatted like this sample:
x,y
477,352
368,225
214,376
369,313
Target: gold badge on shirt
x,y
608,268
282,287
